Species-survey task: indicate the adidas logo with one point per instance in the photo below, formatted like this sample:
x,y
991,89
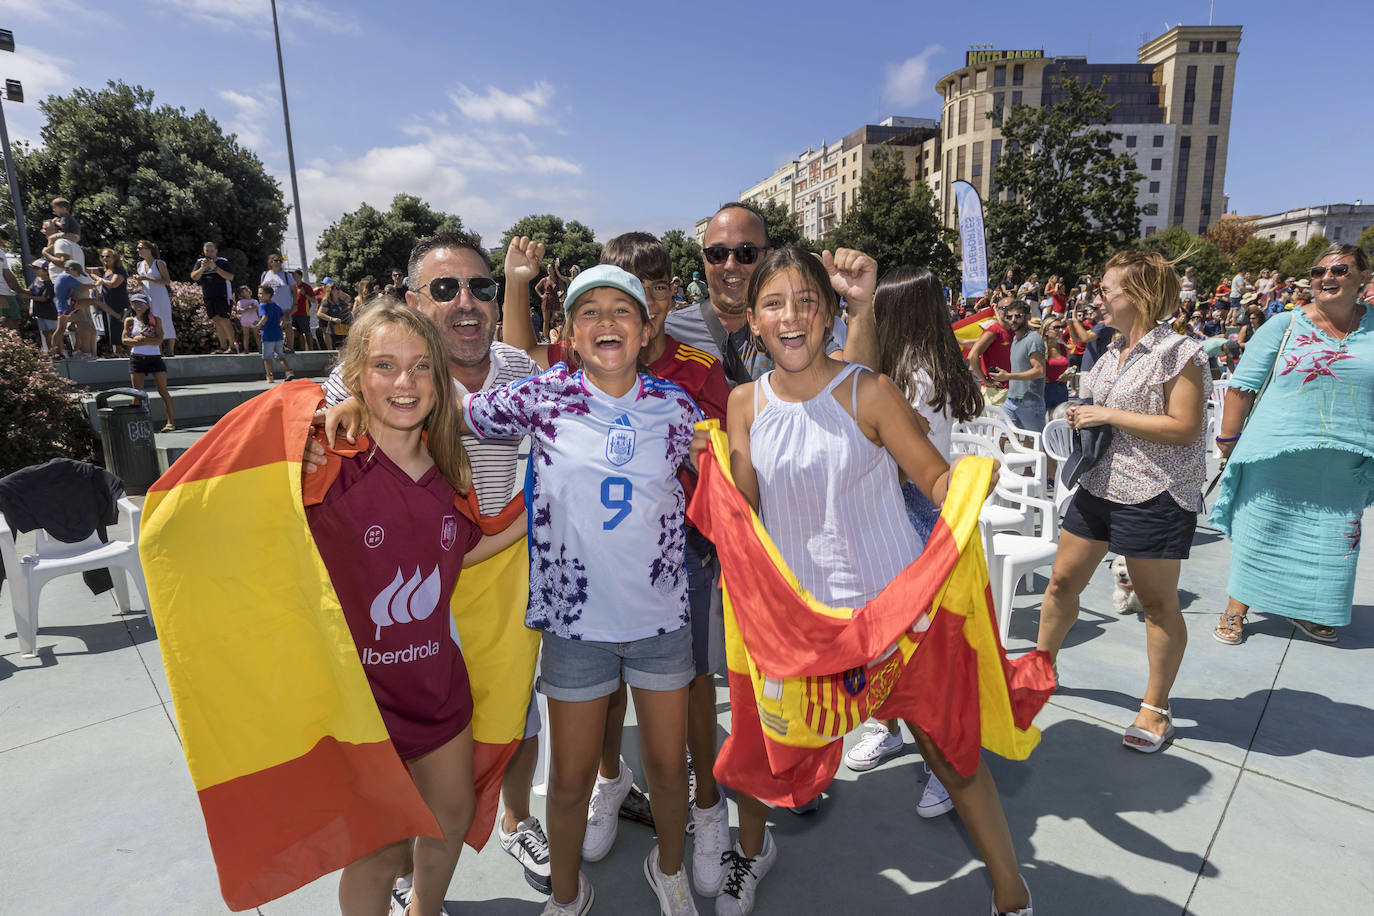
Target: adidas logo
x,y
623,420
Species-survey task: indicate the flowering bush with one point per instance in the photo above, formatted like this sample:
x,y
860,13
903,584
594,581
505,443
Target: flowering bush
x,y
195,333
39,418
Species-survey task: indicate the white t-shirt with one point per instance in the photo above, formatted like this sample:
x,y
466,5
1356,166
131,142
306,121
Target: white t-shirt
x,y
941,426
607,543
5,264
67,251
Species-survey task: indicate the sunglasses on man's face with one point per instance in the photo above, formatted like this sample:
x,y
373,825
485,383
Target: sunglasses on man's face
x,y
446,289
744,254
1337,270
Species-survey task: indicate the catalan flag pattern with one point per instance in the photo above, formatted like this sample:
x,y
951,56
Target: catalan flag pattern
x,y
802,674
288,754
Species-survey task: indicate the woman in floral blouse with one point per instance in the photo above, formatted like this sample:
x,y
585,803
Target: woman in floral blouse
x,y
1142,497
1297,483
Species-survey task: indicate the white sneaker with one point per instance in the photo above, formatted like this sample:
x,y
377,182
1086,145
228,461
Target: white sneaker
x,y
673,892
743,877
710,841
935,801
603,811
581,904
873,748
528,846
400,895
1027,910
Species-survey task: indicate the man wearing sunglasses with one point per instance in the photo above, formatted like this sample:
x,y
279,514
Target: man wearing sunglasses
x,y
283,286
451,283
735,242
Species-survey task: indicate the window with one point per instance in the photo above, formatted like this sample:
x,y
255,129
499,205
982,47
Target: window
x,y
992,166
963,117
976,170
980,111
1293,234
1208,174
1130,142
1015,99
1185,149
999,75
963,82
1206,47
980,79
959,163
1149,230
1156,164
1336,234
1214,113
998,103
1189,91
854,174
949,126
1159,140
1193,47
1018,74
1221,47
1150,209
1154,187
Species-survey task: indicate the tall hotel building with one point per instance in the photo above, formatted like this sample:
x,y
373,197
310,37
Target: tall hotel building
x,y
1173,114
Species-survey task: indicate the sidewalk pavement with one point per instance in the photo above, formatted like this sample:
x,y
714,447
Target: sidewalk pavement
x,y
1264,803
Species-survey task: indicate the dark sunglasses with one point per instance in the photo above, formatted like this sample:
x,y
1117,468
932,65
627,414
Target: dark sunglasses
x,y
1337,270
744,254
446,289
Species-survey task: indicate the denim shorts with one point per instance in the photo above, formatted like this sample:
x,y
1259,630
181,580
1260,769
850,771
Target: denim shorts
x,y
707,609
271,348
578,670
1027,414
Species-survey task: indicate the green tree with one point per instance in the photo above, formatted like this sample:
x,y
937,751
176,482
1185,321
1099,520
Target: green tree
x,y
894,221
1259,253
1366,241
1069,200
1209,267
781,225
371,243
1230,235
134,171
1300,260
572,243
686,255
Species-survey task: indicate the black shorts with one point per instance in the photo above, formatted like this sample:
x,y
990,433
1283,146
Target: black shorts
x,y
1157,529
301,323
217,309
146,364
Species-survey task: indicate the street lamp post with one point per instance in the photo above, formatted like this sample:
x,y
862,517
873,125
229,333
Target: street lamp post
x,y
15,92
290,153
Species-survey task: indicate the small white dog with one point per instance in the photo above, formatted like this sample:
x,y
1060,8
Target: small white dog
x,y
1124,598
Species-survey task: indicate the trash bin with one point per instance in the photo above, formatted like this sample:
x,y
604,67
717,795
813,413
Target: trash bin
x,y
126,433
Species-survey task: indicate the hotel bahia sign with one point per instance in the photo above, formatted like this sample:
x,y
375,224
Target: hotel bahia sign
x,y
985,55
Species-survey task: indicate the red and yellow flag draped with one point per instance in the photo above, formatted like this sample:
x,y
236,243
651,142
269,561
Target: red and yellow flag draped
x,y
293,767
971,328
802,674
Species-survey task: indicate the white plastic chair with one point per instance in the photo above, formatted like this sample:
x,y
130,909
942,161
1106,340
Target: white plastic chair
x,y
1012,452
999,516
1216,405
28,574
1058,445
1012,556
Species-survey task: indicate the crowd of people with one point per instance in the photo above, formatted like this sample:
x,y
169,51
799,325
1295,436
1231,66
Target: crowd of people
x,y
838,387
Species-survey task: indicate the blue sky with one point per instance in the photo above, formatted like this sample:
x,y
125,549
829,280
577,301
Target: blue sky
x,y
649,115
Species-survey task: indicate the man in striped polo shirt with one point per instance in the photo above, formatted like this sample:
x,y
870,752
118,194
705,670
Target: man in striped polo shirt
x,y
450,281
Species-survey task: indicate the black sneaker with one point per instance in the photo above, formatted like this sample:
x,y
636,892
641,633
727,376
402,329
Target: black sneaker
x,y
636,808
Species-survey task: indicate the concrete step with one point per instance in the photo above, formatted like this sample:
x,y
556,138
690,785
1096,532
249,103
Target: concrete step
x,y
194,405
99,374
171,446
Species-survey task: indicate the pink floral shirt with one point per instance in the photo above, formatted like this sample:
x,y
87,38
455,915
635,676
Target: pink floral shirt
x,y
1136,469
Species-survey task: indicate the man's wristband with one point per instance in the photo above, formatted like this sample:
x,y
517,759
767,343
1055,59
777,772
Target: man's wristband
x,y
1222,440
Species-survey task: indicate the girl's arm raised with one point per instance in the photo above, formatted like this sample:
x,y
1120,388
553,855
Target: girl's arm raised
x,y
492,544
739,418
887,418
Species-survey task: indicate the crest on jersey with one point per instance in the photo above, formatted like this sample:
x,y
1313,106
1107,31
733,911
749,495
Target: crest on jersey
x,y
448,534
620,441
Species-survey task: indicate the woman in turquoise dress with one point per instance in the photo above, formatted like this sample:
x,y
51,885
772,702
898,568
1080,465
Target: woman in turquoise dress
x,y
1297,483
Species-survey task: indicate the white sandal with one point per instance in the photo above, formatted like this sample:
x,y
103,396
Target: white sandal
x,y
1155,741
1027,910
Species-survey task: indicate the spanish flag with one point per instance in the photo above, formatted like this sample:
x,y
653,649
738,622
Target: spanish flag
x,y
293,767
967,330
802,674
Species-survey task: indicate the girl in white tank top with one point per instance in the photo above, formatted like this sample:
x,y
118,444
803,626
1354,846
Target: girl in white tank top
x,y
815,446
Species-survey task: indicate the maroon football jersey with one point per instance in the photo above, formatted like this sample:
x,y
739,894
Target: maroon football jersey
x,y
394,548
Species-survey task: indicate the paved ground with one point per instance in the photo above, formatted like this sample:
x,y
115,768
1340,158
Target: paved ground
x,y
1263,805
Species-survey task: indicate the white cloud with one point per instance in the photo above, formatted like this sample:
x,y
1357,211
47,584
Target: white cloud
x,y
910,81
528,107
249,121
545,165
41,75
238,13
